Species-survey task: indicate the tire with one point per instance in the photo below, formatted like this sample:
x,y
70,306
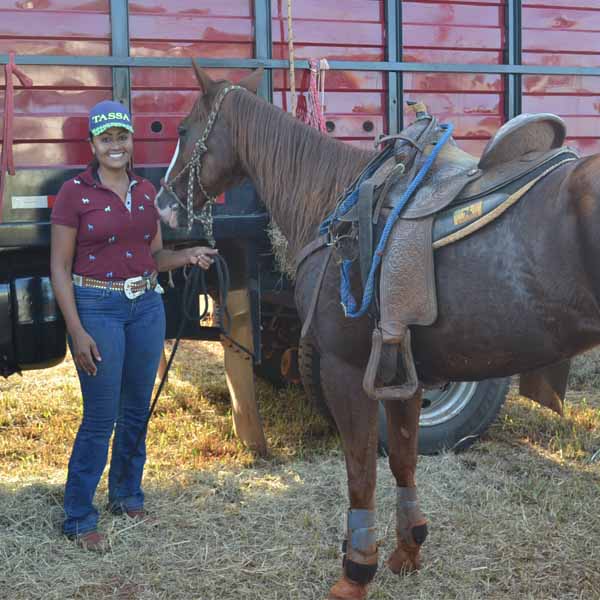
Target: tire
x,y
451,418
279,333
455,416
309,363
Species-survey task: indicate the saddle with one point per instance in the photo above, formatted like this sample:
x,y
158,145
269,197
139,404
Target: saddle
x,y
459,195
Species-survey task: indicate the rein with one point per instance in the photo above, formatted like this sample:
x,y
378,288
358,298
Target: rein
x,y
194,167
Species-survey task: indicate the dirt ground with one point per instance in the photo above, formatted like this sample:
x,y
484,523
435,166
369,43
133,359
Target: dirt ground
x,y
514,517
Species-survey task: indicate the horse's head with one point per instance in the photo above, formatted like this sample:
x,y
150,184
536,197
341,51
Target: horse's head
x,y
205,162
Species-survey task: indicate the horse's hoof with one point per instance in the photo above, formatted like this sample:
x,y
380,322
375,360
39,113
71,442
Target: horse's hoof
x,y
345,589
404,559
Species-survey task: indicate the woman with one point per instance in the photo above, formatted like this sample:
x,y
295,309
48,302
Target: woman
x,y
105,253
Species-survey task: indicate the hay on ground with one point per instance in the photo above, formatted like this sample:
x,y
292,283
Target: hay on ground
x,y
513,518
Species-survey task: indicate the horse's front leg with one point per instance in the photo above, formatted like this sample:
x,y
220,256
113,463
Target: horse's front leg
x,y
356,418
411,526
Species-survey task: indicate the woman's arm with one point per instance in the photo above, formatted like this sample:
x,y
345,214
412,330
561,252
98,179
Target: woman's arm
x,y
173,259
62,252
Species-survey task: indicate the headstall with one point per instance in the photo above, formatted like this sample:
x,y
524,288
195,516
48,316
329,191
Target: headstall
x,y
194,166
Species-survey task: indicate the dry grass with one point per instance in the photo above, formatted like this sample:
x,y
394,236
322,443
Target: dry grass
x,y
585,371
515,517
279,246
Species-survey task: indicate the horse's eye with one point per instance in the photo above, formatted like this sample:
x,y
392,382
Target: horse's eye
x,y
181,130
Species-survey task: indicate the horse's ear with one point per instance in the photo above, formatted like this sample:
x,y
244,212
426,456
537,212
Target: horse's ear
x,y
203,77
252,81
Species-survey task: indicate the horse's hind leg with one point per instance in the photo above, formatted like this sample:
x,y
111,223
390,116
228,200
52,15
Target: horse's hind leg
x,y
356,418
411,526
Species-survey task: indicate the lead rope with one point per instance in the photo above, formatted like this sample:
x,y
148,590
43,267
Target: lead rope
x,y
195,286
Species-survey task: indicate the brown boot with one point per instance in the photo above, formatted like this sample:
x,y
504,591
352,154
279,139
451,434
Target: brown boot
x,y
93,541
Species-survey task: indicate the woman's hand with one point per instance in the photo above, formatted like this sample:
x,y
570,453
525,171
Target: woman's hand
x,y
85,352
201,256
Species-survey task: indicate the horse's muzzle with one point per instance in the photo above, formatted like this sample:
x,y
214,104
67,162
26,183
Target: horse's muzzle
x,y
167,207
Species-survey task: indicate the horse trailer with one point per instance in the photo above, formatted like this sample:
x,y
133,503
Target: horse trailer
x,y
475,63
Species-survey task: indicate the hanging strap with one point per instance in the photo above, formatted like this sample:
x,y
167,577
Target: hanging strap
x,y
311,112
7,164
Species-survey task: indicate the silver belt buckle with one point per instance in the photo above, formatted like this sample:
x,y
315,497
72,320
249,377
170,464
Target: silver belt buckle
x,y
128,287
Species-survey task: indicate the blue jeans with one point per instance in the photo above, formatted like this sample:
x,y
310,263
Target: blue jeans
x,y
129,335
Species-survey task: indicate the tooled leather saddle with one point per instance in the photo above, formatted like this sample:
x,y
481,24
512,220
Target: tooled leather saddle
x,y
459,195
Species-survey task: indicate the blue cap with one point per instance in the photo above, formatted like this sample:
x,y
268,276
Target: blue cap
x,y
107,114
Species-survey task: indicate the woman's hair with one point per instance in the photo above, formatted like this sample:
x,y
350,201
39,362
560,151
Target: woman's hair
x,y
94,164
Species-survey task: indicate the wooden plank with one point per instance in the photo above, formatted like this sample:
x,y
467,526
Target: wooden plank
x,y
240,374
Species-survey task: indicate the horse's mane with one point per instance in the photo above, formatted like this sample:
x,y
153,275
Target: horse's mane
x,y
298,172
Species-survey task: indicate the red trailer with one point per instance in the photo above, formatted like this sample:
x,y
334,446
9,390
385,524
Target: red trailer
x,y
475,63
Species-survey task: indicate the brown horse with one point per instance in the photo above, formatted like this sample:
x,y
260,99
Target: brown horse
x,y
520,294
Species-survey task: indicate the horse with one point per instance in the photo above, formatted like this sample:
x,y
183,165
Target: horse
x,y
520,294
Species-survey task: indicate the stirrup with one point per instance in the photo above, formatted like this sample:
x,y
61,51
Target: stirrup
x,y
406,390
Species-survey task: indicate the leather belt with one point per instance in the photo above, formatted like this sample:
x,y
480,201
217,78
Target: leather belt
x,y
132,287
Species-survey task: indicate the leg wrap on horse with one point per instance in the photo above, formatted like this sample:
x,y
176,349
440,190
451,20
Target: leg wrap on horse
x,y
360,546
410,521
411,531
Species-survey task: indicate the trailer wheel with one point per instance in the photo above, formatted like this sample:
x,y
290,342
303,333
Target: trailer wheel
x,y
280,331
451,418
455,416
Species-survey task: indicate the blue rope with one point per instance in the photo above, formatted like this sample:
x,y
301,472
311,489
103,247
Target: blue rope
x,y
352,198
348,301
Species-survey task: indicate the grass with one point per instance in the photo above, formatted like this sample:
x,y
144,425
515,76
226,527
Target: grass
x,y
585,371
515,517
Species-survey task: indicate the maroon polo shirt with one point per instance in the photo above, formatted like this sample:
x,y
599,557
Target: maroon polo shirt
x,y
112,242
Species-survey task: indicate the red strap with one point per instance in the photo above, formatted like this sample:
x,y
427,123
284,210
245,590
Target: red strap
x,y
7,164
309,111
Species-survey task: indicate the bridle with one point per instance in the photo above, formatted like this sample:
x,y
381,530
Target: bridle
x,y
194,166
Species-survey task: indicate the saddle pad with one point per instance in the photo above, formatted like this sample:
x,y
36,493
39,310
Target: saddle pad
x,y
463,219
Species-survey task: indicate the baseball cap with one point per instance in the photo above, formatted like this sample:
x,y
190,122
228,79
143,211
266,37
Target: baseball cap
x,y
107,114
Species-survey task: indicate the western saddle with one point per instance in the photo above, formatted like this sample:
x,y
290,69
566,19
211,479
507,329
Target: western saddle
x,y
459,195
